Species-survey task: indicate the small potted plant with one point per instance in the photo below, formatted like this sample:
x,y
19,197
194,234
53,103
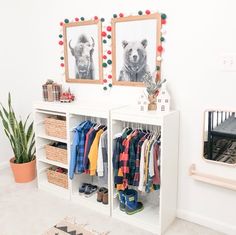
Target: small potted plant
x,y
22,139
153,86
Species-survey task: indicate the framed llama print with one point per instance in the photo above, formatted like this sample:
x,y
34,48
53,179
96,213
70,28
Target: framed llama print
x,y
83,51
135,40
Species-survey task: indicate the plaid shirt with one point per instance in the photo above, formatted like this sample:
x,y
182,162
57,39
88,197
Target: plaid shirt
x,y
77,150
124,159
132,155
117,146
137,161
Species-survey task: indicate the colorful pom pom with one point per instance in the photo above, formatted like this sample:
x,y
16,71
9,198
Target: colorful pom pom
x,y
162,39
66,21
160,48
109,62
104,34
163,16
163,21
109,36
104,41
104,80
95,18
104,65
61,23
104,88
147,12
114,15
121,15
109,52
62,58
76,19
62,65
61,43
60,35
110,85
158,68
82,18
109,76
109,28
102,19
104,57
140,13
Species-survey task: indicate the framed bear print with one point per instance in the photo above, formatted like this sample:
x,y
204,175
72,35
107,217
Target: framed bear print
x,y
135,40
83,51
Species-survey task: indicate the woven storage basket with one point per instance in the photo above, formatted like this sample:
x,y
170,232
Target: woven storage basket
x,y
56,154
55,127
57,178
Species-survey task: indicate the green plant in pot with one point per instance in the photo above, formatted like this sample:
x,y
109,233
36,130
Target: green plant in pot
x,y
22,139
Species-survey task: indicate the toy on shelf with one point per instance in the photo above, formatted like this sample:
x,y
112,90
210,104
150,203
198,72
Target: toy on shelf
x,y
67,97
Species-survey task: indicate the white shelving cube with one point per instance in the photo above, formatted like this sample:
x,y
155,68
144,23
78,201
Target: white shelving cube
x,y
159,208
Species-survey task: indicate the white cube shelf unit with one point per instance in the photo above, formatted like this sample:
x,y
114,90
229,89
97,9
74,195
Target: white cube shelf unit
x,y
40,113
159,206
75,114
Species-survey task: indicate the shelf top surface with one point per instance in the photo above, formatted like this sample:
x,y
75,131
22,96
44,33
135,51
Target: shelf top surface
x,y
79,108
134,111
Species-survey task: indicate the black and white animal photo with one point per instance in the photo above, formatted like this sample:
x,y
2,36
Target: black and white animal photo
x,y
82,52
134,61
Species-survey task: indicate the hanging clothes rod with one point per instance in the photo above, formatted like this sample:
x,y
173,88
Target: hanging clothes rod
x,y
211,179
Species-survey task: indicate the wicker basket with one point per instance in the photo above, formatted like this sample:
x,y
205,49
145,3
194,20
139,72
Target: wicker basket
x,y
57,178
55,127
56,154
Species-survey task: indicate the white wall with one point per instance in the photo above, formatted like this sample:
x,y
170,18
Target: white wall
x,y
198,32
18,71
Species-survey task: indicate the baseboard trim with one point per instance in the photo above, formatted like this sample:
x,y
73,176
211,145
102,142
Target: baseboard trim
x,y
4,165
207,222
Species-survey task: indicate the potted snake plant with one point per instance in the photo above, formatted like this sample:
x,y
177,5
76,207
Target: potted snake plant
x,y
22,139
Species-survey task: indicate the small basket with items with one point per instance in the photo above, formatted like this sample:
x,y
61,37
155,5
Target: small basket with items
x,y
55,126
56,151
58,176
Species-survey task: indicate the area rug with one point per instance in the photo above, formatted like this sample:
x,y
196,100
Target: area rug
x,y
67,227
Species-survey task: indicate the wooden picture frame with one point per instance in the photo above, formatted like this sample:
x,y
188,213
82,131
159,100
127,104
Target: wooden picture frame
x,y
83,52
127,74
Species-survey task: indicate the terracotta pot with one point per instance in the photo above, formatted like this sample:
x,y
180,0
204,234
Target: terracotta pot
x,y
23,172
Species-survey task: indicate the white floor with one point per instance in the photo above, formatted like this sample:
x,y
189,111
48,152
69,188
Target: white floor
x,y
26,211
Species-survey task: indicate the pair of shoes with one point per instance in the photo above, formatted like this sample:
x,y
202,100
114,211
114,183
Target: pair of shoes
x,y
88,189
129,201
102,195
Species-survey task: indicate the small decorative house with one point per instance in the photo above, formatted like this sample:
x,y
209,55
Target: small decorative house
x,y
143,103
163,100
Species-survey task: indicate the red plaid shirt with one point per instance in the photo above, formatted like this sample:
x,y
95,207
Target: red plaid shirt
x,y
124,159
